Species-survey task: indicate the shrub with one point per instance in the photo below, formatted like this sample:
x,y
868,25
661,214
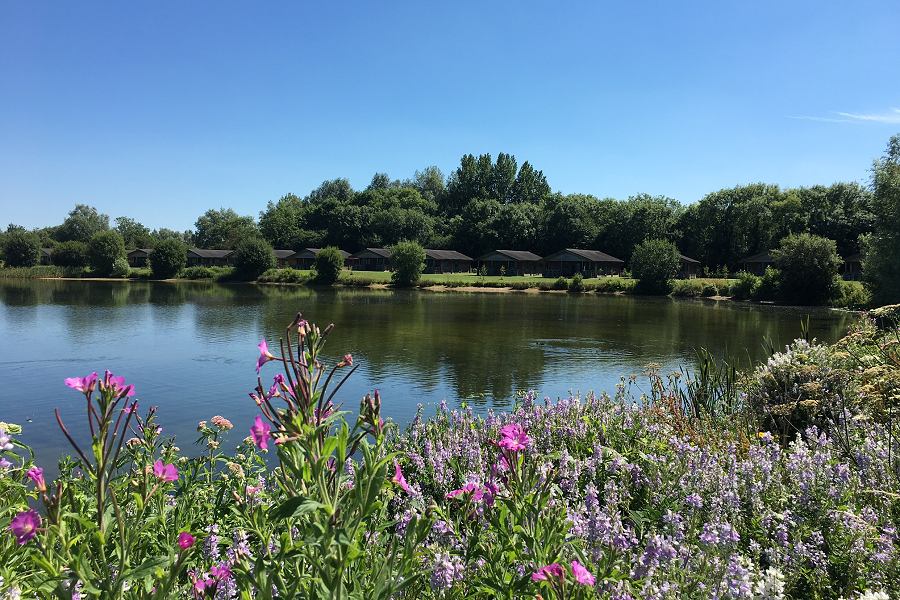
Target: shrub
x,y
21,249
653,264
328,265
71,254
103,250
576,286
286,275
687,288
745,287
168,258
614,285
120,268
561,283
851,294
769,284
409,262
809,265
709,289
252,257
214,273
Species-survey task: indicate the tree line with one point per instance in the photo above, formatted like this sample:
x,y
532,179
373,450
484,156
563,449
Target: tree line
x,y
488,203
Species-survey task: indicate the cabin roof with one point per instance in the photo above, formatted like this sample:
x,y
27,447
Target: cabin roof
x,y
591,255
205,253
761,257
446,255
382,252
143,250
688,259
283,253
517,255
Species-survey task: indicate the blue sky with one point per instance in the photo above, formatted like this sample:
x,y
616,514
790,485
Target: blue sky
x,y
160,111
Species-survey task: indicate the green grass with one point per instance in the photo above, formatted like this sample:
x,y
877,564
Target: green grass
x,y
40,271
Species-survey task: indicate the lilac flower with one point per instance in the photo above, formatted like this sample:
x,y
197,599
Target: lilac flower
x,y
5,440
446,571
24,526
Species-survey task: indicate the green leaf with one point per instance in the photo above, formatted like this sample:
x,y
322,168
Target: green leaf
x,y
296,505
148,566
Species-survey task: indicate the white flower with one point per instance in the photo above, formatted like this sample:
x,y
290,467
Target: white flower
x,y
870,595
770,585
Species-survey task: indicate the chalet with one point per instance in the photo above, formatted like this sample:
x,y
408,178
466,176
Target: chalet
x,y
757,263
590,263
46,256
198,257
511,262
283,258
689,267
305,258
371,259
138,257
446,261
853,267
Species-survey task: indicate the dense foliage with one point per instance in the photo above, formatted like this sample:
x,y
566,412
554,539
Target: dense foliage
x,y
808,267
653,264
70,254
673,494
882,263
408,260
104,249
328,265
168,258
252,257
21,249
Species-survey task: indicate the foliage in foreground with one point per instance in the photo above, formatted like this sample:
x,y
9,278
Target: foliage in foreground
x,y
672,494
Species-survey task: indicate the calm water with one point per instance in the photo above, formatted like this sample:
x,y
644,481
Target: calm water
x,y
191,348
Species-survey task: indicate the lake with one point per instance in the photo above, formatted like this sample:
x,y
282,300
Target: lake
x,y
190,348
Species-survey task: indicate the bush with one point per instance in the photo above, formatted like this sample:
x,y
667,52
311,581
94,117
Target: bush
x,y
653,264
745,287
103,250
168,258
687,288
615,285
809,265
709,289
409,262
576,286
71,254
769,285
561,283
252,258
328,265
214,273
120,268
286,275
851,294
21,249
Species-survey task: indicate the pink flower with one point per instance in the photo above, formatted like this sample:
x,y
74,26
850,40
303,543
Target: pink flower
x,y
36,474
399,479
185,540
582,575
165,472
513,438
469,488
85,385
264,355
554,570
260,432
347,361
116,385
221,572
24,526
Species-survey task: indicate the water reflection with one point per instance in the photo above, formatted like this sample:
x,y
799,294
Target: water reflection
x,y
190,347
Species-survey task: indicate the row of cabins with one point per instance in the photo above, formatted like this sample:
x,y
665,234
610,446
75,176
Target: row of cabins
x,y
758,263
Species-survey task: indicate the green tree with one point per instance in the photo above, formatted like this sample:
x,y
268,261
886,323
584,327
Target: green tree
x,y
21,248
133,233
408,259
328,265
881,266
252,258
223,228
654,263
282,222
168,258
808,266
71,254
82,223
103,250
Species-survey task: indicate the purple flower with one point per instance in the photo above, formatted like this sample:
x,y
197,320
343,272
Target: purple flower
x,y
399,479
260,432
36,474
165,472
116,385
24,526
264,355
554,570
85,385
513,438
582,575
185,540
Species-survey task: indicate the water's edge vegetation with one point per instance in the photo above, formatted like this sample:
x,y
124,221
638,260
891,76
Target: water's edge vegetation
x,y
778,482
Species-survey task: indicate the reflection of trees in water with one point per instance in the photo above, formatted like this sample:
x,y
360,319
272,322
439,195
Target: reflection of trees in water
x,y
479,345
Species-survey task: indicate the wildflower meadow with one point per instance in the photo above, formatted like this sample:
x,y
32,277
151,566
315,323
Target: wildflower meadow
x,y
780,481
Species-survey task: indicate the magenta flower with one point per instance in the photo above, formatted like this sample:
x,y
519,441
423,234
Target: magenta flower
x,y
24,526
264,355
165,472
582,575
185,540
554,571
399,479
221,572
36,474
85,385
470,488
513,438
260,432
116,385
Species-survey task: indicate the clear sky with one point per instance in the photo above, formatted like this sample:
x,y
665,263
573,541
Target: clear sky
x,y
161,110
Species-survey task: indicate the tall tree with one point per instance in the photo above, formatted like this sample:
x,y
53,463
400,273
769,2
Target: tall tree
x,y
881,266
223,228
82,223
135,234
